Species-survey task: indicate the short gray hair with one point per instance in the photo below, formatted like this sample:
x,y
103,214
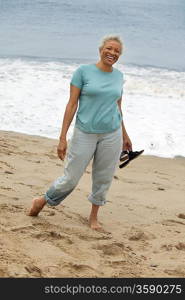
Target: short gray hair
x,y
108,38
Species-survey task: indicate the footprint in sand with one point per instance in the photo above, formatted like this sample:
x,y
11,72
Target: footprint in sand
x,y
160,189
47,235
4,206
34,270
180,246
87,237
86,234
21,183
6,188
181,216
12,208
167,247
78,269
17,207
52,236
51,213
137,235
4,272
117,263
177,272
8,172
111,249
23,228
171,222
7,165
15,198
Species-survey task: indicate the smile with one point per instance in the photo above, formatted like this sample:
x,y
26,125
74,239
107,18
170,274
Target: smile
x,y
110,57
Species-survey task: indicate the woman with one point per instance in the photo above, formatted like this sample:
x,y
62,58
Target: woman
x,y
99,133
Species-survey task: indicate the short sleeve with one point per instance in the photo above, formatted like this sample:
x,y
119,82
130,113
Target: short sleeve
x,y
77,79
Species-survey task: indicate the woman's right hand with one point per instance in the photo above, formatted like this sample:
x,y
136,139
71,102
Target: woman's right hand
x,y
61,149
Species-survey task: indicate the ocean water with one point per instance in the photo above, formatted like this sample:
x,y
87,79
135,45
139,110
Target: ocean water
x,y
43,42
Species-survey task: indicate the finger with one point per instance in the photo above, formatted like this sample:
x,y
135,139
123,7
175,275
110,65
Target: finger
x,y
128,147
62,155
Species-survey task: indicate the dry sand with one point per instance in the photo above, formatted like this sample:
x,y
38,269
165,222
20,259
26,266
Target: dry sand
x,y
144,218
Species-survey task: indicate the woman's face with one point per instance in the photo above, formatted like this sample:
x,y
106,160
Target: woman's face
x,y
110,52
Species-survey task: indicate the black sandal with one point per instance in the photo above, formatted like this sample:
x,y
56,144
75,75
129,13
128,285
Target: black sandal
x,y
127,156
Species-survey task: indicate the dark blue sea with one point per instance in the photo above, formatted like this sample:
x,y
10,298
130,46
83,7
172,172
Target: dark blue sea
x,y
153,30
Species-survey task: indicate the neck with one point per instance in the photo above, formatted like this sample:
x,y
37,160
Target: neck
x,y
103,67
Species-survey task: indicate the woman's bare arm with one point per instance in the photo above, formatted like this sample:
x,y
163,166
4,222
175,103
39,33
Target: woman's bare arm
x,y
70,111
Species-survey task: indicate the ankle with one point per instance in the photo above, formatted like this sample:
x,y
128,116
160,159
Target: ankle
x,y
93,216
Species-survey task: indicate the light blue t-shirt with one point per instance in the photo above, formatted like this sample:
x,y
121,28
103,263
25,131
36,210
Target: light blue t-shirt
x,y
98,111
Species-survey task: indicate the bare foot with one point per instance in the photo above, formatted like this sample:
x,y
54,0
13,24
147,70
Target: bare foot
x,y
37,206
93,223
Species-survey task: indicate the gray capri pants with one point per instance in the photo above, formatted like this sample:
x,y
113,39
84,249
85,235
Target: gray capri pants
x,y
105,149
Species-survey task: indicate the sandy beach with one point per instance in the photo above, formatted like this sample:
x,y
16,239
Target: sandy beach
x,y
143,220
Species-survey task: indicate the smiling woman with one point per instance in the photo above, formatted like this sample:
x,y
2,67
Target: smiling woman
x,y
96,90
110,51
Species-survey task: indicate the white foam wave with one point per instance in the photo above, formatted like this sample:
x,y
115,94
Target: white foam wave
x,y
154,82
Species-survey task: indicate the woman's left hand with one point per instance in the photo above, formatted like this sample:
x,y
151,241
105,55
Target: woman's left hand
x,y
127,144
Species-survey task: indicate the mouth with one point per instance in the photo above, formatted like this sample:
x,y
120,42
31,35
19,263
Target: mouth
x,y
110,58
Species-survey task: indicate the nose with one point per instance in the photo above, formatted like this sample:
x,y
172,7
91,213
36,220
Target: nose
x,y
112,51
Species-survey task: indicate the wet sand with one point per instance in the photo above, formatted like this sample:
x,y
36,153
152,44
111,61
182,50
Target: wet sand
x,y
143,220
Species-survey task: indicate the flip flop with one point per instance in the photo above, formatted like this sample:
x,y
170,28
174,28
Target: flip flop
x,y
127,156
